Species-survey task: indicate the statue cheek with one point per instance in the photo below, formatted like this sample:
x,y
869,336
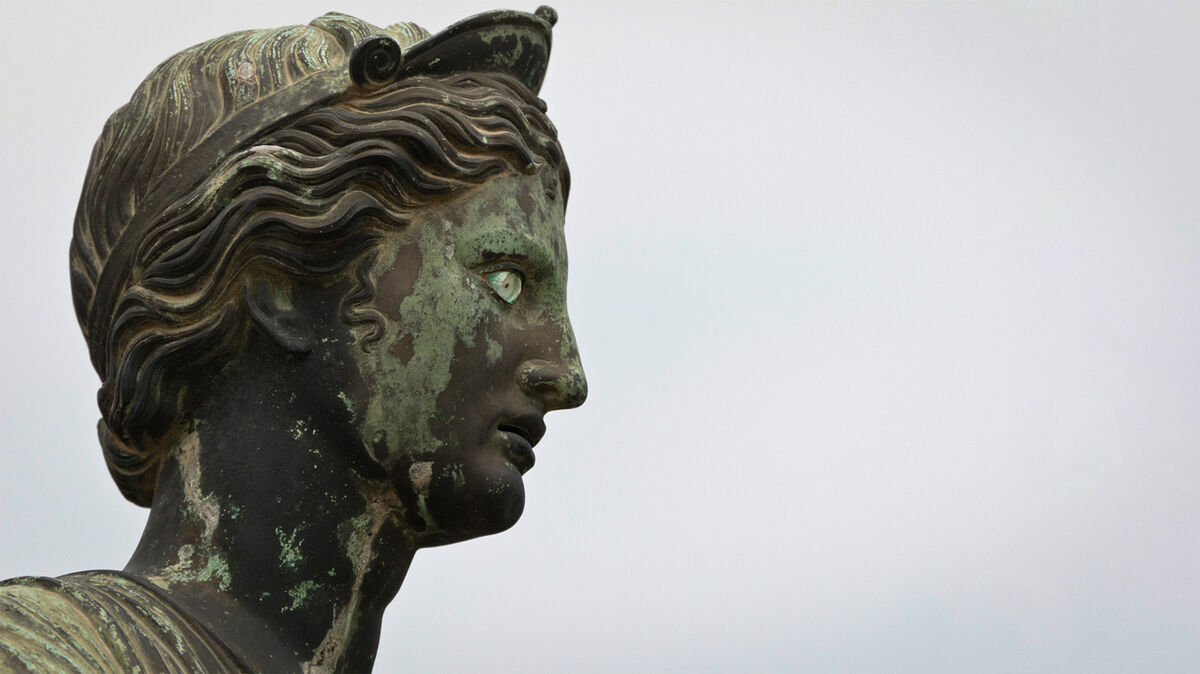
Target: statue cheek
x,y
395,273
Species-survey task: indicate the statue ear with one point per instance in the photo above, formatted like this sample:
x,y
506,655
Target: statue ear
x,y
269,302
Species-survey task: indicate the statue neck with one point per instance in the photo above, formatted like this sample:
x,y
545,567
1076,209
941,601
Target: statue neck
x,y
275,536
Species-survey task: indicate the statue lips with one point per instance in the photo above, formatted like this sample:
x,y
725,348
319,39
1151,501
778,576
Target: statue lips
x,y
523,432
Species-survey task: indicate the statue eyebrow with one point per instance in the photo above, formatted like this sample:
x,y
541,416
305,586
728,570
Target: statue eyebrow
x,y
496,245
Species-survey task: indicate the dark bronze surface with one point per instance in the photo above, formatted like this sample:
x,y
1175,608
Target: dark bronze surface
x,y
322,276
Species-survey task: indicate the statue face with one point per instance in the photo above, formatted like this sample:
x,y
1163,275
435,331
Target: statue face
x,y
477,348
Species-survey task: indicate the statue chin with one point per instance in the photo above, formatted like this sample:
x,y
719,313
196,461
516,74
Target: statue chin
x,y
477,515
478,492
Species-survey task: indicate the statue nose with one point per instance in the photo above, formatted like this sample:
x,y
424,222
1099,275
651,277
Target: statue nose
x,y
558,386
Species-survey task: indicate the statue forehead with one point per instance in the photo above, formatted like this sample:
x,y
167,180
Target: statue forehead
x,y
509,211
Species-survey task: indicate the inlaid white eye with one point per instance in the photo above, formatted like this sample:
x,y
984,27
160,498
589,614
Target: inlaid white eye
x,y
507,283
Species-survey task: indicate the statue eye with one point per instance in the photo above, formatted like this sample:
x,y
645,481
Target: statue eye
x,y
507,283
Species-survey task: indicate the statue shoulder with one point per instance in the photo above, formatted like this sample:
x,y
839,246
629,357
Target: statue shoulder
x,y
45,625
102,621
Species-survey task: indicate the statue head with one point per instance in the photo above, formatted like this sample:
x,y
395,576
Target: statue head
x,y
383,209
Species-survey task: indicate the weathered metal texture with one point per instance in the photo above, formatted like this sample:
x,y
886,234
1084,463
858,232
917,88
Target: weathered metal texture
x,y
322,275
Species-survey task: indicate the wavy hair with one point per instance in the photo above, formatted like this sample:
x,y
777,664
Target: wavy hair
x,y
308,200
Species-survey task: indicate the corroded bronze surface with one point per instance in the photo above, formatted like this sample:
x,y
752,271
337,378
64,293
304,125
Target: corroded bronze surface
x,y
322,276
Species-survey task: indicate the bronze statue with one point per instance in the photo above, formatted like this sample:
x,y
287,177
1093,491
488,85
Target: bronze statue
x,y
322,276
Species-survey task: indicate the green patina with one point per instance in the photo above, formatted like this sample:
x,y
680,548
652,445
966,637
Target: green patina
x,y
299,594
498,223
494,350
349,405
415,391
353,533
215,568
289,547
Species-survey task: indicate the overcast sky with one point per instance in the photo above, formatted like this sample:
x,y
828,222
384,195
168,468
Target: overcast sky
x,y
890,312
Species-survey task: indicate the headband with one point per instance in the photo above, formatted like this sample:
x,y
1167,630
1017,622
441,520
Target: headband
x,y
501,41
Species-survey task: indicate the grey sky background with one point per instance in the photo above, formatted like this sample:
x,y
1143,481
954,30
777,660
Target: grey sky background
x,y
890,312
